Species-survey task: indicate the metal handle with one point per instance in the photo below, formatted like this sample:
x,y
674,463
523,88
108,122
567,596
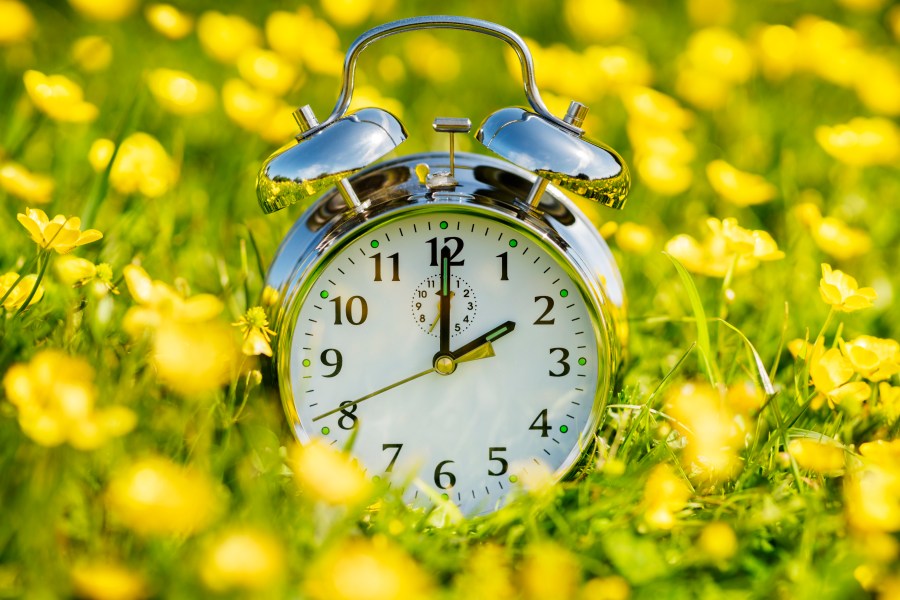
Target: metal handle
x,y
441,22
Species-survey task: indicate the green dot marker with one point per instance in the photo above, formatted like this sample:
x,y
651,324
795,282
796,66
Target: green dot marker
x,y
513,478
563,428
582,361
513,243
563,293
306,362
323,294
326,431
445,496
444,225
374,243
376,478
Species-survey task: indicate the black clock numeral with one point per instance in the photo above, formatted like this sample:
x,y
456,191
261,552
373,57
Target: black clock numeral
x,y
458,246
504,466
363,312
562,361
541,320
337,363
504,266
347,413
395,266
543,427
439,475
396,448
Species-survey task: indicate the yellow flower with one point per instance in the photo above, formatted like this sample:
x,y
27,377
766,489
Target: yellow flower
x,y
254,326
617,67
664,175
108,581
74,271
703,90
777,50
669,144
267,70
877,84
225,37
655,109
738,187
832,235
329,475
194,359
348,13
872,490
22,183
487,574
179,93
424,51
744,398
101,153
280,125
842,291
718,541
665,494
862,142
612,587
827,49
158,303
142,166
301,37
705,13
635,238
54,394
154,496
729,242
92,53
169,21
60,234
874,358
105,10
269,296
821,456
889,401
549,571
20,293
247,107
363,569
243,558
598,20
16,22
831,374
58,97
720,53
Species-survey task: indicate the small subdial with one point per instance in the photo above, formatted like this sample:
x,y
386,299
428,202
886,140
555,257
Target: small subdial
x,y
426,305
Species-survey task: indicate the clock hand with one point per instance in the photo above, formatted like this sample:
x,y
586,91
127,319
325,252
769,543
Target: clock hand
x,y
438,317
373,394
445,302
466,352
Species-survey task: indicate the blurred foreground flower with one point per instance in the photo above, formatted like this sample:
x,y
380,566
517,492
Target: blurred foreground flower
x,y
142,166
179,93
486,575
25,185
78,272
598,21
729,246
862,142
59,97
665,493
821,456
100,153
549,571
832,235
842,292
54,394
301,37
155,496
16,22
108,581
169,21
92,53
243,559
105,10
328,475
738,187
872,488
718,541
225,37
362,569
254,326
267,70
60,234
15,297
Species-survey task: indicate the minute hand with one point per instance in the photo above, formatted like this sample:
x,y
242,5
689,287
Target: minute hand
x,y
494,334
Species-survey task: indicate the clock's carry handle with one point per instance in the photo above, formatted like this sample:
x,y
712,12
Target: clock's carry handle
x,y
441,22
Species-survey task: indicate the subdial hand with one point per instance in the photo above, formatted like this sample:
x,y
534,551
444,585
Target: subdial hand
x,y
438,316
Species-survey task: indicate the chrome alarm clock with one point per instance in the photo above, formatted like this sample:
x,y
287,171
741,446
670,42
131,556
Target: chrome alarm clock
x,y
451,317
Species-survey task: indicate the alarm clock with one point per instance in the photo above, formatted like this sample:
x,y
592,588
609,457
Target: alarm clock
x,y
451,318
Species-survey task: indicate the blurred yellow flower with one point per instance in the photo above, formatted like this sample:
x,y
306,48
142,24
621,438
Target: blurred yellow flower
x,y
179,93
665,493
158,303
247,107
877,83
155,496
598,20
142,166
744,398
269,296
60,234
667,144
842,292
664,175
169,21
431,58
108,581
720,53
872,489
92,53
54,394
738,187
74,270
832,235
549,571
889,401
363,569
831,374
16,22
224,37
703,90
827,49
717,541
18,181
329,475
617,68
348,13
243,558
254,326
487,574
862,142
301,37
366,95
635,238
706,13
101,153
655,109
821,456
17,296
267,70
105,10
612,587
874,358
862,5
776,48
58,97
729,246
280,125
194,359
711,432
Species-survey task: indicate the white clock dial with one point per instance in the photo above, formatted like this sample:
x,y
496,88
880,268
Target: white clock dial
x,y
506,390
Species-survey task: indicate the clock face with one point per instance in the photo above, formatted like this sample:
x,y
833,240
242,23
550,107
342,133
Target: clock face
x,y
457,347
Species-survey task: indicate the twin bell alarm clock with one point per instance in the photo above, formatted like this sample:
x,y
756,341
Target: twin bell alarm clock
x,y
451,318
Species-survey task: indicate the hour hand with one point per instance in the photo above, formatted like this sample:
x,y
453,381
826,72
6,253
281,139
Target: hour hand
x,y
481,347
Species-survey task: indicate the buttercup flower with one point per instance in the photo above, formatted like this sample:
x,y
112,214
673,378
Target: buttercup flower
x,y
92,53
254,326
267,70
105,10
598,21
730,245
889,402
22,183
179,93
718,541
59,97
108,581
301,37
158,302
720,53
832,235
242,558
16,297
635,238
777,48
877,83
842,291
487,574
225,37
77,272
738,187
101,153
613,587
16,22
617,68
155,496
328,475
831,373
169,21
862,142
827,49
280,125
349,13
655,109
821,456
60,234
664,175
872,490
247,107
665,494
874,358
549,571
142,166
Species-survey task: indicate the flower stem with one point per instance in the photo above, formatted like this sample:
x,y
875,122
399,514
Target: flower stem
x,y
25,270
37,283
